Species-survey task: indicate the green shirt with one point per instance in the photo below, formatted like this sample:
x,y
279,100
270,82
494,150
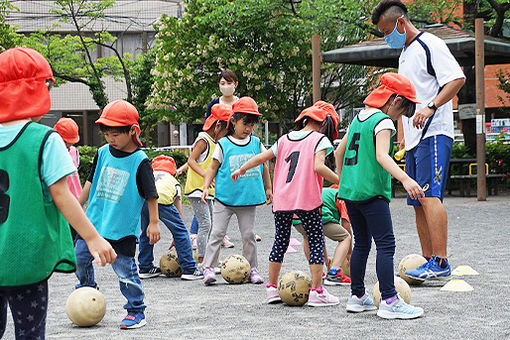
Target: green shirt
x,y
363,178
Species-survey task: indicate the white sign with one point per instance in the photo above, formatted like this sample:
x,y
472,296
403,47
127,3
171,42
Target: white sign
x,y
467,111
480,124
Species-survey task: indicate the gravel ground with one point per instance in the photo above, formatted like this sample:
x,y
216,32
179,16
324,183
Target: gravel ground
x,y
479,234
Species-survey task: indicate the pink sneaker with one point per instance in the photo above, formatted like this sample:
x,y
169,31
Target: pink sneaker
x,y
255,276
226,242
272,295
321,297
193,239
209,276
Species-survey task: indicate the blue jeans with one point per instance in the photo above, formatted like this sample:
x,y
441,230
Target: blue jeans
x,y
372,219
169,215
124,267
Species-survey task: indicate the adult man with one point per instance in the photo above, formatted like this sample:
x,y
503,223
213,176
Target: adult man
x,y
428,135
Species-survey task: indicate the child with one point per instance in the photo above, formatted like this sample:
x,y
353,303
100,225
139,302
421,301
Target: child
x,y
239,198
170,213
336,228
299,170
68,130
365,185
200,159
119,183
32,221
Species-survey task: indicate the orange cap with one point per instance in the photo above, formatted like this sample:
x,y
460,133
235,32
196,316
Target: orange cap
x,y
218,112
246,105
68,130
391,83
121,113
164,163
23,89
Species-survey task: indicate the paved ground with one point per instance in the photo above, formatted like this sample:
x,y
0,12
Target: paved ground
x,y
479,237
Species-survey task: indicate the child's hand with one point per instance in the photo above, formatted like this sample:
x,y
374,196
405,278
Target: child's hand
x,y
269,196
413,189
237,173
178,172
205,193
101,251
153,233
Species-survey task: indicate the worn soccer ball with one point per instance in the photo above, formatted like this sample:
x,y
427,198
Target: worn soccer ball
x,y
86,306
169,264
235,269
400,285
410,262
294,288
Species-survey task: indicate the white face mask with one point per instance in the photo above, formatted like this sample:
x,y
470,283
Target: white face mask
x,y
227,90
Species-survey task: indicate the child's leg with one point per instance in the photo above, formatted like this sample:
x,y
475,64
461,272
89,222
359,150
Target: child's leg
x,y
29,308
222,215
130,284
347,226
378,218
204,219
169,215
312,222
146,250
362,244
336,232
283,225
246,221
84,268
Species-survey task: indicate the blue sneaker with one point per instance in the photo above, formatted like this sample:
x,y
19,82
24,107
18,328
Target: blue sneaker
x,y
363,304
133,320
431,270
398,309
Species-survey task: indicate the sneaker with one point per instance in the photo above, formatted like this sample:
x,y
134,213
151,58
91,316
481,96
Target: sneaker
x,y
319,299
147,274
431,271
399,309
363,304
255,276
217,270
272,295
193,239
196,275
226,242
209,276
258,238
337,279
133,320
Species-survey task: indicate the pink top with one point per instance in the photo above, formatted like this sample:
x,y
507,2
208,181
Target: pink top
x,y
296,184
73,180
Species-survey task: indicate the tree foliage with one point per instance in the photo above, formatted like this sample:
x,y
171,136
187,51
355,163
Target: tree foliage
x,y
8,36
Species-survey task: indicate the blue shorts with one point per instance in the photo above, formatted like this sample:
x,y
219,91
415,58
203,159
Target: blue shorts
x,y
428,164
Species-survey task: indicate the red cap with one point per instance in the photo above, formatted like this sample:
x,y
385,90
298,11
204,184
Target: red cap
x,y
391,83
23,89
164,163
218,112
121,113
319,112
68,130
246,105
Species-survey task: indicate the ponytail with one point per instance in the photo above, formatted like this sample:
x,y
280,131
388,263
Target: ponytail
x,y
329,128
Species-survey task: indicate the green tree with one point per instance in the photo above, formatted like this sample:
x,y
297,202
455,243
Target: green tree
x,y
8,36
267,43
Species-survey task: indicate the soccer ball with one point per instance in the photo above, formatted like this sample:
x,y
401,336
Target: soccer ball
x,y
294,288
410,262
235,269
86,306
169,264
401,286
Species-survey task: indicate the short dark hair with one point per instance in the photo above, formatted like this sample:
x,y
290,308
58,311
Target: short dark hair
x,y
385,7
117,129
409,107
228,75
246,117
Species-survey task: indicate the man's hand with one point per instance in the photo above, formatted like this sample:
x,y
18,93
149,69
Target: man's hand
x,y
153,233
420,117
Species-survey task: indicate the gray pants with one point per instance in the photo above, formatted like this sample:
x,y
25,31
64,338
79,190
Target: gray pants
x,y
204,214
246,221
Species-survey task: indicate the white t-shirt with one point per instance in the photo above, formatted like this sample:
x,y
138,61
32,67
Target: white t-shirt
x,y
385,124
324,144
218,152
425,55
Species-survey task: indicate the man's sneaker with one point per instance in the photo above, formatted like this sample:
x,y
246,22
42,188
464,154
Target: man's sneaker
x,y
209,276
431,270
272,295
322,298
255,276
153,272
337,279
196,275
133,320
363,304
226,242
399,309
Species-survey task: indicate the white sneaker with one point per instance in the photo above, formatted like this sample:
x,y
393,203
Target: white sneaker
x,y
363,304
197,275
398,309
317,299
